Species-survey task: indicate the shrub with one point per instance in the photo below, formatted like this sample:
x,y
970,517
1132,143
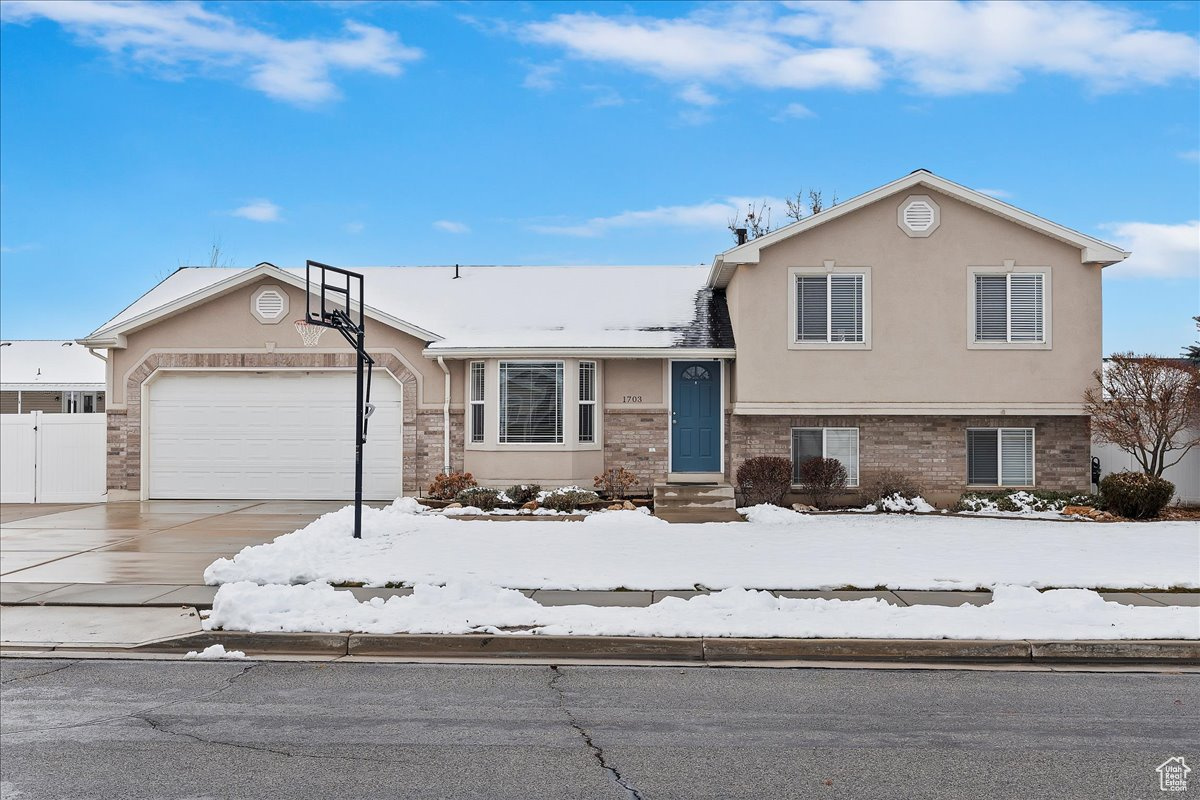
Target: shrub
x,y
447,487
887,484
764,479
1136,495
522,493
480,497
822,478
1024,500
616,482
569,498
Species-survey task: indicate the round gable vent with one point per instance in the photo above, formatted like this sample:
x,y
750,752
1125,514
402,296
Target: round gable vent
x,y
919,216
269,304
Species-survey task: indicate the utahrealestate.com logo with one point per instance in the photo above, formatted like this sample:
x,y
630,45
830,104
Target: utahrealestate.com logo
x,y
1172,774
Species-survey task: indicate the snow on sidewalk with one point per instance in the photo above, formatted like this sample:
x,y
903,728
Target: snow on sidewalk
x,y
777,549
1015,612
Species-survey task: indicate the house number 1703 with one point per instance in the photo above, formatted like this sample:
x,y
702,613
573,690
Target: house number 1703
x,y
631,398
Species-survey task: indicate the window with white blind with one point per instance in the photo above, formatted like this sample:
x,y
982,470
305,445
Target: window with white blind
x,y
1009,308
830,309
478,384
531,402
587,401
1000,456
839,443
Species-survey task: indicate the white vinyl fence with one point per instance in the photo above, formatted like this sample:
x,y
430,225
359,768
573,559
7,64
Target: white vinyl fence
x,y
52,458
1185,475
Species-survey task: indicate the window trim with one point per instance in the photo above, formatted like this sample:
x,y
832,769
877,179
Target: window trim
x,y
852,481
1009,268
562,403
1000,484
476,436
794,273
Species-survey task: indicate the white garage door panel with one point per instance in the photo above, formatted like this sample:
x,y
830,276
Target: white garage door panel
x,y
270,435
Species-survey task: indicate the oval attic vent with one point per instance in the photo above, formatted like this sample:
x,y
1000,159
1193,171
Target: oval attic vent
x,y
919,215
269,304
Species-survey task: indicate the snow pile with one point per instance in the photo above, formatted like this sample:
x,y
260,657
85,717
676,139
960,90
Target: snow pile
x,y
899,503
767,514
214,652
777,549
1015,613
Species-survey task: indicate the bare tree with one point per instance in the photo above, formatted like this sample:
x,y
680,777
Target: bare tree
x,y
1148,407
798,208
756,221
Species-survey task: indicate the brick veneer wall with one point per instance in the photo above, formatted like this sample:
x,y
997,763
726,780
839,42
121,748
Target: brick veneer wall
x,y
421,433
932,450
628,436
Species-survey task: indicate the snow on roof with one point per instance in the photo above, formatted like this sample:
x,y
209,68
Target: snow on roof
x,y
51,365
520,306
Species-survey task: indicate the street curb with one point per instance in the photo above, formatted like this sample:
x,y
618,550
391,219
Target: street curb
x,y
695,650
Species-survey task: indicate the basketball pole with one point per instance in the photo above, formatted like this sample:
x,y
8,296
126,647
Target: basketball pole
x,y
360,406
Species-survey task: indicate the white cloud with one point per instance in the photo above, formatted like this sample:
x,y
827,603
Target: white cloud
x,y
179,38
935,47
450,226
999,194
1189,155
795,111
713,214
697,95
542,77
258,211
354,228
19,248
1159,251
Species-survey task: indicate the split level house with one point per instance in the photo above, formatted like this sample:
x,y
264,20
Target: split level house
x,y
921,326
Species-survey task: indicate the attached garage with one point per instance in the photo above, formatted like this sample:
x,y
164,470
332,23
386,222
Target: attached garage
x,y
277,434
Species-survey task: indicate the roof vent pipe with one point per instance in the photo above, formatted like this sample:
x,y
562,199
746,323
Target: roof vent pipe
x,y
741,235
456,275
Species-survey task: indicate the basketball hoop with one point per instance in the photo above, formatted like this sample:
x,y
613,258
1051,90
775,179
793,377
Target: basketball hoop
x,y
310,334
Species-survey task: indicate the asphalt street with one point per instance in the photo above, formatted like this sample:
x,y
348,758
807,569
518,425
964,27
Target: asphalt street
x,y
230,729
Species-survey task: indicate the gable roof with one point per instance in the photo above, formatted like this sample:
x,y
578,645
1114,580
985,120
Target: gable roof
x,y
50,365
1092,250
491,308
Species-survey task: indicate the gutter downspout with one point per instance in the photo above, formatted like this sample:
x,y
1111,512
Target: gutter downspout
x,y
445,418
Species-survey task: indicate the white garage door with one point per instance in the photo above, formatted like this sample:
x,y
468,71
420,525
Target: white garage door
x,y
270,435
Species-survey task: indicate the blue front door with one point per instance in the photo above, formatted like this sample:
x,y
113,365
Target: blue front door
x,y
695,416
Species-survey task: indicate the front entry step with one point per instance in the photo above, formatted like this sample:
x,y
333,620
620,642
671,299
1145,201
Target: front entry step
x,y
680,497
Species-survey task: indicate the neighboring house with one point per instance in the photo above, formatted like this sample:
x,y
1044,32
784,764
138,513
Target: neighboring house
x,y
52,376
921,326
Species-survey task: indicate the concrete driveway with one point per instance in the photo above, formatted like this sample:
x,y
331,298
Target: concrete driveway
x,y
151,552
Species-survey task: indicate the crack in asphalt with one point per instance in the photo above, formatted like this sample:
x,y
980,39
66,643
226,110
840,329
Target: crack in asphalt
x,y
229,682
597,751
38,674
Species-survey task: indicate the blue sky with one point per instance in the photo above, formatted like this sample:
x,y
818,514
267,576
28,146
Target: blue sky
x,y
134,137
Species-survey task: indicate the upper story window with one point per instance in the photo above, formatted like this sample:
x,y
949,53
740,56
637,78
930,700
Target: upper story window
x,y
531,402
830,308
1009,308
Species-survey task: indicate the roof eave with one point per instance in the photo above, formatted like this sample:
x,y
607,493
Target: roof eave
x,y
573,352
113,336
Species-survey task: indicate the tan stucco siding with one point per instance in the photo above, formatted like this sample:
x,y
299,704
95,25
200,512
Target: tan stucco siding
x,y
918,315
226,324
634,381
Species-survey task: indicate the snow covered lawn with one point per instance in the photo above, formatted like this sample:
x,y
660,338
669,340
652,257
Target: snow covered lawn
x,y
1015,612
778,549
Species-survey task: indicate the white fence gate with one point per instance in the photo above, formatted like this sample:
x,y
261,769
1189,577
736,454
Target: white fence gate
x,y
52,458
